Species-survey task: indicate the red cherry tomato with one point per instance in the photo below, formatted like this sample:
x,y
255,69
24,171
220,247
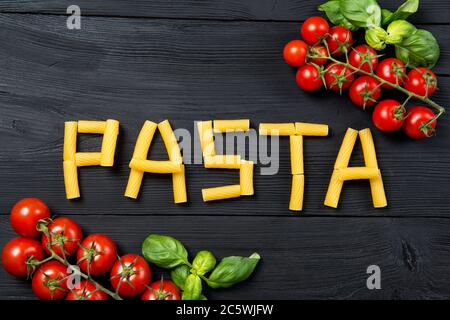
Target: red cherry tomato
x,y
361,55
130,275
391,70
419,80
338,77
25,215
415,125
17,252
50,281
308,78
97,254
365,91
318,53
63,231
162,290
313,29
388,115
295,52
86,291
339,40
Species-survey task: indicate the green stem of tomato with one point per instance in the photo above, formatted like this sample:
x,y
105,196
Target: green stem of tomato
x,y
54,256
428,101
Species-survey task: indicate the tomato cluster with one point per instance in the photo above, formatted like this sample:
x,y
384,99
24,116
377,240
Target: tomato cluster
x,y
363,74
47,260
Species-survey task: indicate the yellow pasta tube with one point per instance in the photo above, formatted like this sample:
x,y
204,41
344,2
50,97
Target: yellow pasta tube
x,y
134,183
231,125
221,193
277,129
357,173
179,186
296,146
334,190
170,141
206,135
140,152
246,178
84,159
378,195
368,147
153,166
345,152
226,161
70,140
311,129
71,179
85,126
144,140
109,143
297,192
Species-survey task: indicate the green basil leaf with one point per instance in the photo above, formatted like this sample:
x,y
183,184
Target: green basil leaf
x,y
203,262
179,275
192,288
419,49
202,297
399,30
385,16
361,13
333,13
232,270
404,11
164,251
375,37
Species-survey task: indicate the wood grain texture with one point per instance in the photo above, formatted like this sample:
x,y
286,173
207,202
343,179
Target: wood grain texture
x,y
287,10
134,70
323,258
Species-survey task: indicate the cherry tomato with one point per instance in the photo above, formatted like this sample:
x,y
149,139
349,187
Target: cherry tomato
x,y
365,91
308,78
17,252
388,115
130,275
338,77
361,55
391,70
63,231
97,254
419,79
50,281
162,290
25,215
339,40
318,52
313,29
294,53
415,125
86,291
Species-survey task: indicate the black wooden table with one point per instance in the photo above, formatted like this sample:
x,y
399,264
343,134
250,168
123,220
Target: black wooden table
x,y
220,59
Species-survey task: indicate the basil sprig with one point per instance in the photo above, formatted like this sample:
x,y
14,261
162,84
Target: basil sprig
x,y
415,47
167,252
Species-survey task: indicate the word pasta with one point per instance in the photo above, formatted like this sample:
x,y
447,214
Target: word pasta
x,y
139,163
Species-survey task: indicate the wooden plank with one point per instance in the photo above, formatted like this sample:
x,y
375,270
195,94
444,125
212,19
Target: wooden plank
x,y
323,258
133,70
293,10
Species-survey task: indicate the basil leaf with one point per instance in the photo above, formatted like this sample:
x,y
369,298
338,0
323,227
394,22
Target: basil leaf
x,y
419,49
202,297
164,251
404,11
192,288
361,13
179,275
204,262
385,16
232,270
399,30
333,13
